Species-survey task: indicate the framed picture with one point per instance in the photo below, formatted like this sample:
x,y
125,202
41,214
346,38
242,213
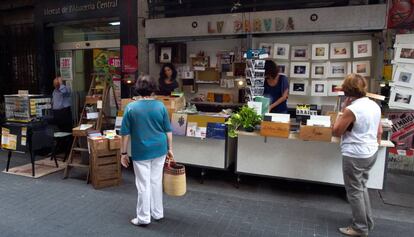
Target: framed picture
x,y
259,64
268,48
300,53
299,70
362,68
401,98
340,50
404,76
320,51
404,53
333,87
298,87
319,88
165,56
362,49
338,69
283,68
281,51
319,70
259,73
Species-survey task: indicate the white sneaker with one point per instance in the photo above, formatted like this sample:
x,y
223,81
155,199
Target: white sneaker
x,y
136,222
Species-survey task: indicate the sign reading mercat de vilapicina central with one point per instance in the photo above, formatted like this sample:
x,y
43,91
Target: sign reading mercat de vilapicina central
x,y
82,6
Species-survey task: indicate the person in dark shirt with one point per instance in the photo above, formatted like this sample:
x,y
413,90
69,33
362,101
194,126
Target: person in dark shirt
x,y
276,88
168,79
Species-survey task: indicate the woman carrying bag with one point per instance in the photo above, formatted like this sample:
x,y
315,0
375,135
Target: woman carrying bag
x,y
147,124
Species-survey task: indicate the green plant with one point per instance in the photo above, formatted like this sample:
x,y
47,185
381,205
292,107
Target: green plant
x,y
246,118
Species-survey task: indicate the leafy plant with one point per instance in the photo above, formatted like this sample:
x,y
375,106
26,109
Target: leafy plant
x,y
246,118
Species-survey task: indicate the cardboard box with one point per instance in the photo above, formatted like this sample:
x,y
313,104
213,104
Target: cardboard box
x,y
315,133
92,99
210,74
76,131
273,129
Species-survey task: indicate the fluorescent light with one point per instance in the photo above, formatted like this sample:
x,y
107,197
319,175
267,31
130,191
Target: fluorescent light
x,y
115,23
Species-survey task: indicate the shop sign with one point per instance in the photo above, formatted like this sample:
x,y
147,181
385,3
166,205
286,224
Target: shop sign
x,y
66,68
84,6
256,25
114,62
129,58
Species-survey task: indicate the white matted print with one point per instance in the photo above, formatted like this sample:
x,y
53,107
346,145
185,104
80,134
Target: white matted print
x,y
362,49
334,86
281,51
404,53
283,68
362,68
299,69
319,70
268,48
340,50
298,87
165,56
401,98
404,76
338,69
320,51
300,53
319,88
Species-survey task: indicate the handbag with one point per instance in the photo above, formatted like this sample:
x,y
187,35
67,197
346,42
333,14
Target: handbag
x,y
174,180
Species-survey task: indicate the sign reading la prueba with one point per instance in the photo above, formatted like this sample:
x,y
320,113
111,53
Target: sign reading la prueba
x,y
81,7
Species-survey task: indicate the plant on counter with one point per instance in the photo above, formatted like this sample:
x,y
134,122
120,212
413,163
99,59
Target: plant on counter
x,y
246,119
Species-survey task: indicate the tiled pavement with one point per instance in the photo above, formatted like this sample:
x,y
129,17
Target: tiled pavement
x,y
51,206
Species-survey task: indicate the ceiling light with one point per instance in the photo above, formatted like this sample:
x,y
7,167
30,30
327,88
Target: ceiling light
x,y
115,23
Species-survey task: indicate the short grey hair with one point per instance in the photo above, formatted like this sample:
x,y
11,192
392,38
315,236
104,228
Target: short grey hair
x,y
145,85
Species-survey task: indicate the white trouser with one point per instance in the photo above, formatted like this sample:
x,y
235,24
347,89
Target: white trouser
x,y
148,179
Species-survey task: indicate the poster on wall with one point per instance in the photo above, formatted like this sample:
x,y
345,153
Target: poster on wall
x,y
66,68
401,14
402,129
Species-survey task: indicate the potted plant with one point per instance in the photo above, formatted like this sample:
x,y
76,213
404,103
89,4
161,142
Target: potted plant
x,y
245,119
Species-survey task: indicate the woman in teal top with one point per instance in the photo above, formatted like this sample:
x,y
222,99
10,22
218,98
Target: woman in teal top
x,y
147,125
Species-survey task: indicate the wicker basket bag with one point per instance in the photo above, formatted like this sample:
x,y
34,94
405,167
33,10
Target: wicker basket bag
x,y
174,181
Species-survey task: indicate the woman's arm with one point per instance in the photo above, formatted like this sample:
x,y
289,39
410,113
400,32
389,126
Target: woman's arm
x,y
124,149
280,100
170,144
342,123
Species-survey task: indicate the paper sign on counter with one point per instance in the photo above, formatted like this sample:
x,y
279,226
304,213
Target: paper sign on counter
x,y
23,141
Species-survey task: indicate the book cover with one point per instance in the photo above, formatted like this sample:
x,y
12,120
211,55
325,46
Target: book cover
x,y
216,130
179,124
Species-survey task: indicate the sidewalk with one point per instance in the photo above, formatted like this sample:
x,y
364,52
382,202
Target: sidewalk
x,y
50,206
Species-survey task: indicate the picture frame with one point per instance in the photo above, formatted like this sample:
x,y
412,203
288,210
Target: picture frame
x,y
299,69
319,70
320,51
404,53
283,68
259,73
404,76
401,98
338,69
362,48
362,68
281,51
340,50
259,64
268,47
331,87
165,55
298,87
300,53
319,88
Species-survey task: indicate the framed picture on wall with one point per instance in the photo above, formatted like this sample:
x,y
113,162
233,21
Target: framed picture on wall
x,y
299,70
362,68
320,51
319,88
404,53
283,67
165,56
319,70
300,53
340,50
338,69
401,98
404,76
362,49
268,48
281,51
334,87
298,87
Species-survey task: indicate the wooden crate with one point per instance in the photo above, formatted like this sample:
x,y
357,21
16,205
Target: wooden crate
x,y
315,133
105,163
92,99
273,129
115,143
76,131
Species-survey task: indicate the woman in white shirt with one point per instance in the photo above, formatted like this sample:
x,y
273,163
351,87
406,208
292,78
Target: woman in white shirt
x,y
360,130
